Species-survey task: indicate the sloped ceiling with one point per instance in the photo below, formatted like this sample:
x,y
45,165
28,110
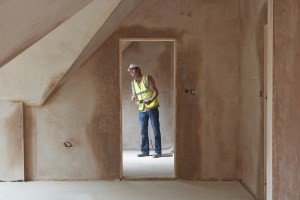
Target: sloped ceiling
x,y
34,74
25,22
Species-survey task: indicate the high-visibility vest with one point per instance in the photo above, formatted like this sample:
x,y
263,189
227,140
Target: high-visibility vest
x,y
144,93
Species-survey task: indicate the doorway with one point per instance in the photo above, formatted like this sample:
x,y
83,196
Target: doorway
x,y
156,57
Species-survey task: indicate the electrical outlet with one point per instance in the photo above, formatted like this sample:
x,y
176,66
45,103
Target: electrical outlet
x,y
193,91
68,144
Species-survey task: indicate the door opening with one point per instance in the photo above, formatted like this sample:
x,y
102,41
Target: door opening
x,y
156,57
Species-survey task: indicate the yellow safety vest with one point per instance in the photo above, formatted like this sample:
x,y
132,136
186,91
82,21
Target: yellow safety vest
x,y
144,93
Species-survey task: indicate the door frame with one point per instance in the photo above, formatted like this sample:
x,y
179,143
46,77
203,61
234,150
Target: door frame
x,y
175,141
268,103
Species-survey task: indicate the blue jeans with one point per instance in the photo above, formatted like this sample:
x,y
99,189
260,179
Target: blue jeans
x,y
154,118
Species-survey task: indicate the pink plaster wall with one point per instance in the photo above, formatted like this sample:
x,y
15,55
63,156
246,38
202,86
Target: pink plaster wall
x,y
86,110
207,34
286,114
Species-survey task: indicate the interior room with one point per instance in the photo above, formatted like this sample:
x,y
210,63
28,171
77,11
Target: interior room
x,y
227,77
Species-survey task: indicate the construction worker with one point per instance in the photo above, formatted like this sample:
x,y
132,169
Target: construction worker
x,y
144,94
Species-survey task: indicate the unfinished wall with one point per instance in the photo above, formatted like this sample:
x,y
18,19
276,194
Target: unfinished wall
x,y
11,142
85,110
25,22
207,34
286,114
64,49
253,18
156,58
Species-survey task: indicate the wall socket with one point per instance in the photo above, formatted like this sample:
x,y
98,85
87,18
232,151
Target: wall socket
x,y
193,91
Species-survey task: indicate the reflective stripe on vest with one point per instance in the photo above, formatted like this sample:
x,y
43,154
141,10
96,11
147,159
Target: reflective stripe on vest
x,y
144,93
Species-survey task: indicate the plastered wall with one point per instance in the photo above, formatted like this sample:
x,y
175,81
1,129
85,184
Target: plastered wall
x,y
64,49
253,19
286,149
156,58
86,111
25,22
11,142
207,35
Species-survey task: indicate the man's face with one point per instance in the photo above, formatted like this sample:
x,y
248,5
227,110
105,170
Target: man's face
x,y
134,71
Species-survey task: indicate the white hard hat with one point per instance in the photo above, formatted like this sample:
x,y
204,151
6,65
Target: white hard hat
x,y
132,66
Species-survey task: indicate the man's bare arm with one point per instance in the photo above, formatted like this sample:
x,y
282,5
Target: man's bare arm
x,y
133,95
152,87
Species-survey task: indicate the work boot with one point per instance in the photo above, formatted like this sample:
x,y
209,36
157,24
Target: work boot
x,y
156,155
143,154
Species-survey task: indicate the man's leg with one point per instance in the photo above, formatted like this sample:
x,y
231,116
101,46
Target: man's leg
x,y
154,117
144,118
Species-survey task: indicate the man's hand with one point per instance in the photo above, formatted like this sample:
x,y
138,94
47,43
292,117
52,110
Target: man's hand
x,y
133,98
148,102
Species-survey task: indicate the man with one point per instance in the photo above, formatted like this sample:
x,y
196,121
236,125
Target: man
x,y
144,94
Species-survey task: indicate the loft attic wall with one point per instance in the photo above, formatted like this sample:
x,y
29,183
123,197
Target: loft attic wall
x,y
25,22
32,75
